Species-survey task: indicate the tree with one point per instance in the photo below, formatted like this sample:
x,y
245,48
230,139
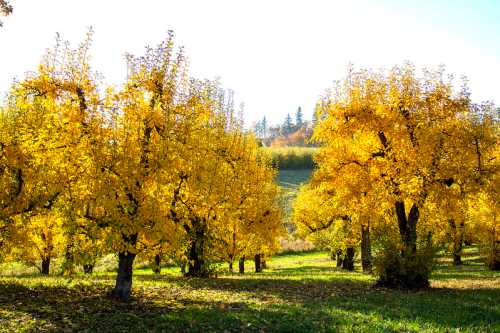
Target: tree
x,y
264,127
298,117
391,138
287,125
5,9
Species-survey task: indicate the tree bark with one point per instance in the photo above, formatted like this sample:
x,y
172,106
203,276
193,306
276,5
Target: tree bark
x,y
258,266
68,266
457,237
88,268
366,249
123,285
409,270
156,264
183,268
241,265
196,255
46,266
407,227
230,266
348,263
340,258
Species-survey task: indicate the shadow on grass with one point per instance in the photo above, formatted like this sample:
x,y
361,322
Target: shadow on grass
x,y
256,303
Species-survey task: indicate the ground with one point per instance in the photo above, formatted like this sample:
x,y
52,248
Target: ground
x,y
298,293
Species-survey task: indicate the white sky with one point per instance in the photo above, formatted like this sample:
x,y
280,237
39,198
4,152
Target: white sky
x,y
276,55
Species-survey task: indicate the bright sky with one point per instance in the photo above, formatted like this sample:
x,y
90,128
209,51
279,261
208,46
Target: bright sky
x,y
276,55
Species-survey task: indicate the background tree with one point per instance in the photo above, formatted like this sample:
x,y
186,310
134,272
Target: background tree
x,y
5,9
287,125
298,117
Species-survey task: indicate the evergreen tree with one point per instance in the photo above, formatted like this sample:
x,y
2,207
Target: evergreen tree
x,y
298,117
258,129
288,125
263,125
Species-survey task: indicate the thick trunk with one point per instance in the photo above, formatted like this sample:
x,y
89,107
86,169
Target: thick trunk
x,y
258,266
494,264
457,236
407,228
366,249
68,266
340,258
88,268
196,255
183,268
156,267
46,266
230,266
196,262
348,262
408,270
241,265
123,285
494,255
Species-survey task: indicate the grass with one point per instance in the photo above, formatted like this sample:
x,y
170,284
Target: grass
x,y
290,180
298,293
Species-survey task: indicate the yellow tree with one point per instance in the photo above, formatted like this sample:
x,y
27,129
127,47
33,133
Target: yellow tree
x,y
40,239
148,122
391,136
253,221
54,117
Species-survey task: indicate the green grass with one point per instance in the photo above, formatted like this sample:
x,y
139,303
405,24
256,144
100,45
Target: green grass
x,y
298,293
290,179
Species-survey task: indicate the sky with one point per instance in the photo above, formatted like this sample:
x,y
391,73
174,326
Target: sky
x,y
276,55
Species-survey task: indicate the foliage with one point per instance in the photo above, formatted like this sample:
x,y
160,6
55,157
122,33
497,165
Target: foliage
x,y
394,146
158,165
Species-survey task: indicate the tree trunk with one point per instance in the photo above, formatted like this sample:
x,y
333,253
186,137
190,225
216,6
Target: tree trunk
x,y
196,256
493,257
457,237
156,264
408,271
183,268
68,266
340,258
494,264
407,227
88,268
196,262
366,249
258,266
241,265
230,266
123,285
348,263
46,266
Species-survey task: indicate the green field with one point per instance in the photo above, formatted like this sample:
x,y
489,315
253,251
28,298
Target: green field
x,y
298,293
